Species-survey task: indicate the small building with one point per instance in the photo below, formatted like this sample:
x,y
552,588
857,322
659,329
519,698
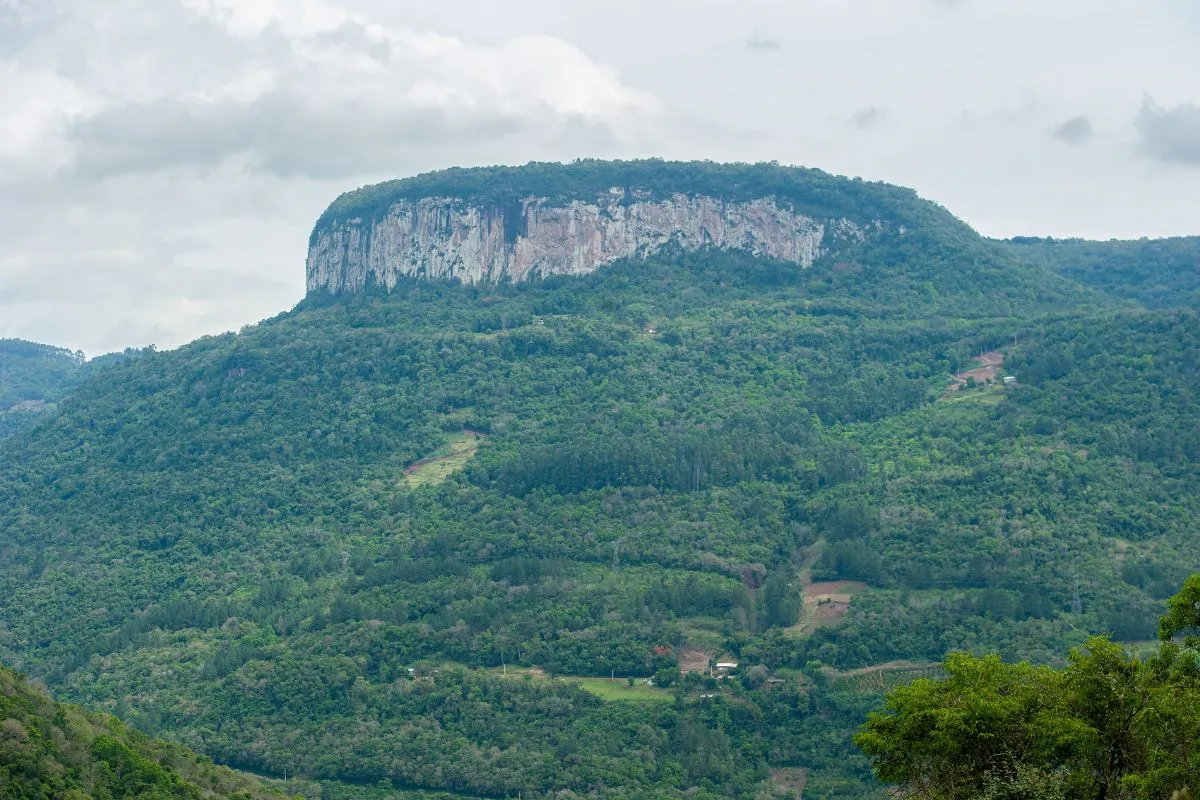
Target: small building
x,y
725,667
1009,380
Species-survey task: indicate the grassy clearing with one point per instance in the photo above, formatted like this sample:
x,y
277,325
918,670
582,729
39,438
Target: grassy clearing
x,y
608,689
447,460
620,690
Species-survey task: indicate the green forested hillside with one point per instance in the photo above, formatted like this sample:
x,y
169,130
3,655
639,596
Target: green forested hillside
x,y
380,541
32,375
51,750
1157,273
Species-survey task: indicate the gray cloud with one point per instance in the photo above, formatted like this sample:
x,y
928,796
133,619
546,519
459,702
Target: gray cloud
x,y
868,118
762,44
1075,131
281,134
1170,135
310,91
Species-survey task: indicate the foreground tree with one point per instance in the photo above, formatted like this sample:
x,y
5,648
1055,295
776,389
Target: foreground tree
x,y
1108,726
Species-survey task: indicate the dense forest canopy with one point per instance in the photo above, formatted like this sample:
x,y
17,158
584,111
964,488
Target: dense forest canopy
x,y
34,372
1157,273
33,377
52,750
490,540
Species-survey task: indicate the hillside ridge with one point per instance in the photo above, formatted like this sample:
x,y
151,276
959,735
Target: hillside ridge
x,y
50,749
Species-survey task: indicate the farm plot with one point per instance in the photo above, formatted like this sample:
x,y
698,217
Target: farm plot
x,y
452,457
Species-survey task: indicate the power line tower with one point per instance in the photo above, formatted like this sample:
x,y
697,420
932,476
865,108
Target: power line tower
x,y
1076,602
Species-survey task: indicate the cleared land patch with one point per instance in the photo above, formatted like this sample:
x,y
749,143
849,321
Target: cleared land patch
x,y
825,603
448,459
883,677
607,689
694,659
620,690
988,371
790,780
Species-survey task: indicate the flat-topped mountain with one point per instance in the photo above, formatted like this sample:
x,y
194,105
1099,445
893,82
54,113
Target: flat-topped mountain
x,y
516,223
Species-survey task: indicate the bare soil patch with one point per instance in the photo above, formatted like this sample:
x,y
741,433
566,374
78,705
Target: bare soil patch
x,y
989,367
790,779
827,612
834,587
694,659
825,603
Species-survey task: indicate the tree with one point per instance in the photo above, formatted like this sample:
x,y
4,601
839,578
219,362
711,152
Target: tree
x,y
1108,726
1183,614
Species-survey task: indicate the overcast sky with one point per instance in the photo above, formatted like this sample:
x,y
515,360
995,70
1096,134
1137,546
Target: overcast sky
x,y
162,161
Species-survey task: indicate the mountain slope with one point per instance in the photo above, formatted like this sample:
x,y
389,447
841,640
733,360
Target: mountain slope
x,y
48,749
417,539
32,375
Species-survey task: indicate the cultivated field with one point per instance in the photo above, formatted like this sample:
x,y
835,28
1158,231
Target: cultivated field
x,y
825,603
884,677
452,457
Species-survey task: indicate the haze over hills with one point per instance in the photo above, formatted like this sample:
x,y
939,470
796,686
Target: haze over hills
x,y
723,425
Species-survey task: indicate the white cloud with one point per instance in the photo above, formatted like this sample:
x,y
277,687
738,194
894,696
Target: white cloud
x,y
162,161
135,125
296,85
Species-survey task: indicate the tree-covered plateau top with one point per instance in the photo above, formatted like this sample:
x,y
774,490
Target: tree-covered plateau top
x,y
809,191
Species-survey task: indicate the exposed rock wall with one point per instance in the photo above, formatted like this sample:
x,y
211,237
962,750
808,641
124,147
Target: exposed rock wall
x,y
440,237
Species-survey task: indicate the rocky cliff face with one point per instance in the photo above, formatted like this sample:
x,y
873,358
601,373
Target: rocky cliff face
x,y
442,237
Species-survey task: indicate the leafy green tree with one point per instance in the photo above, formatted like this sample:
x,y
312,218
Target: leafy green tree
x,y
1108,726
